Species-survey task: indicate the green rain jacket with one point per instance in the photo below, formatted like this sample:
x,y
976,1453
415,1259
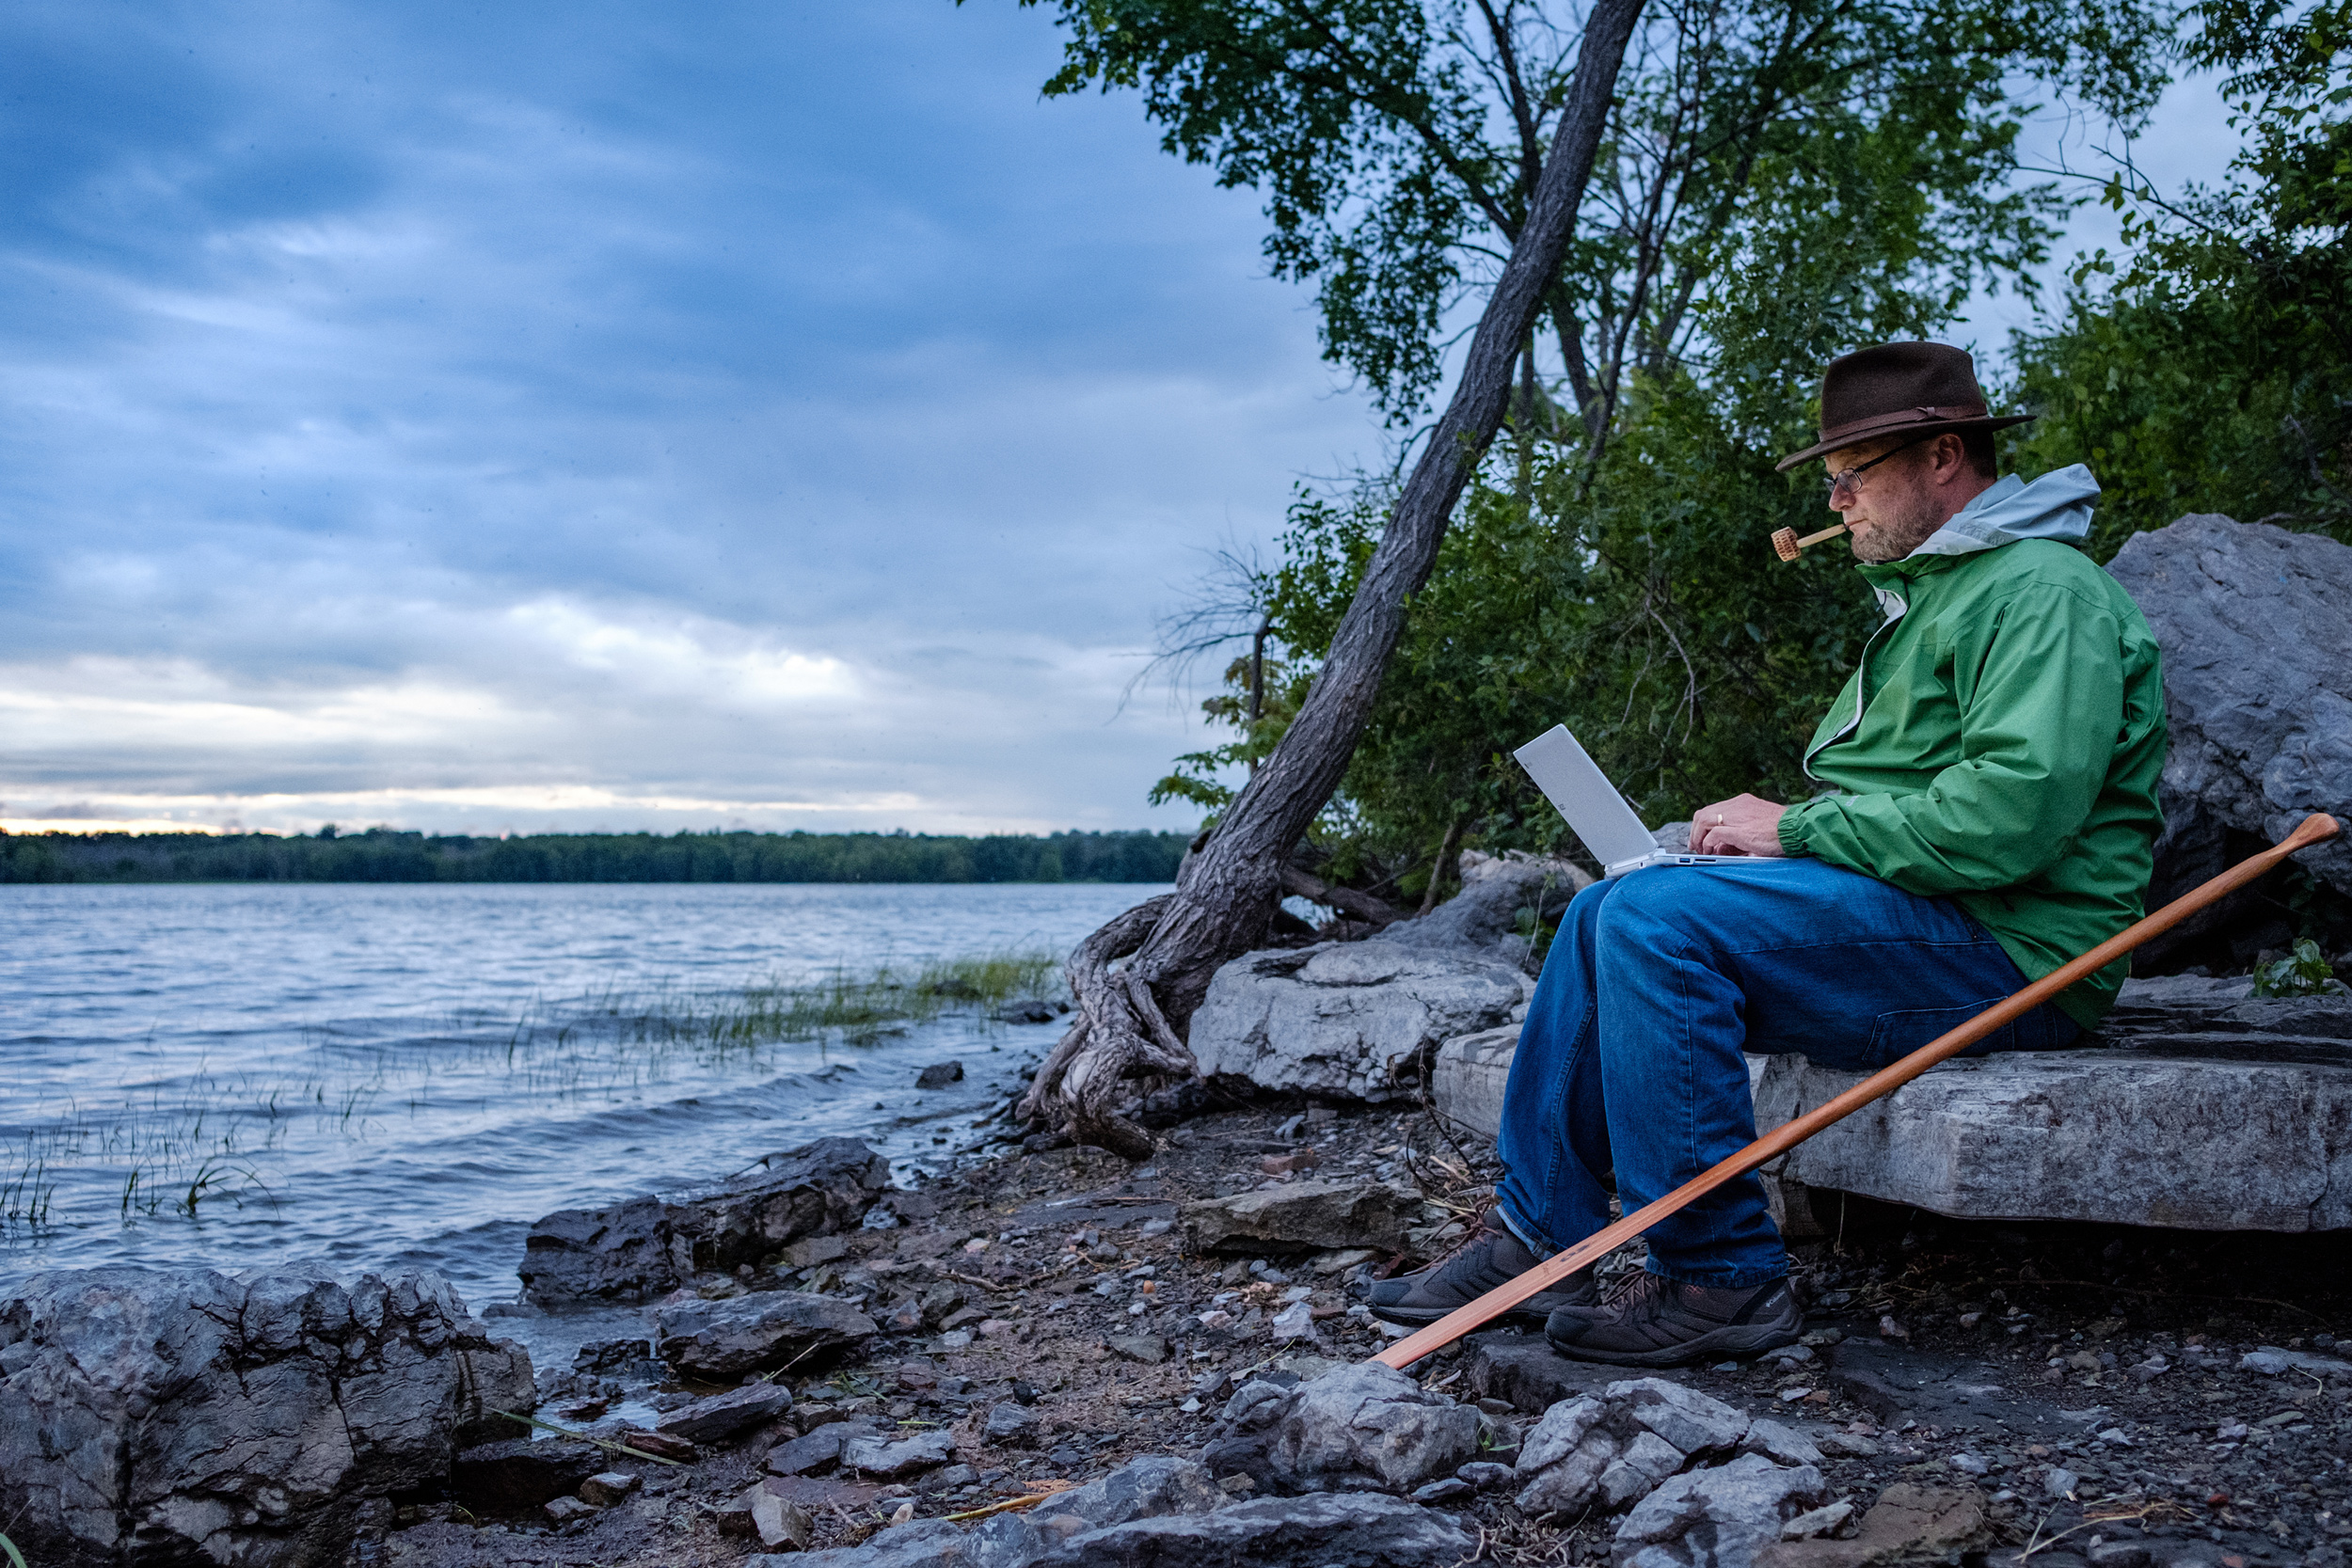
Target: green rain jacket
x,y
2000,740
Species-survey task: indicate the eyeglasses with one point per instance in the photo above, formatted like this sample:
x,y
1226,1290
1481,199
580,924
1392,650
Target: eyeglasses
x,y
1843,478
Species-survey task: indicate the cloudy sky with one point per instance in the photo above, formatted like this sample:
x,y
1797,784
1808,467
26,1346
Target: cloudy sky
x,y
534,417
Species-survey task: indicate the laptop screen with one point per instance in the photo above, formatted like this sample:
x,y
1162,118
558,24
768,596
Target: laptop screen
x,y
1575,783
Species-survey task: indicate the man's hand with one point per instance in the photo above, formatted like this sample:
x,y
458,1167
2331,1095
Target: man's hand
x,y
1744,825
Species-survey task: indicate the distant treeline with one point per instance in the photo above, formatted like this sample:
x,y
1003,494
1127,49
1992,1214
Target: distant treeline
x,y
383,855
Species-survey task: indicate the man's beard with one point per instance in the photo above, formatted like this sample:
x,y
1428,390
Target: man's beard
x,y
1899,525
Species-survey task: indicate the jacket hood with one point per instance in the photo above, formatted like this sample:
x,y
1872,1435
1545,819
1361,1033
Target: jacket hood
x,y
2056,506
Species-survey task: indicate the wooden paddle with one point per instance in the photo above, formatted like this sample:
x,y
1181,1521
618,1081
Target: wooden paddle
x,y
2314,829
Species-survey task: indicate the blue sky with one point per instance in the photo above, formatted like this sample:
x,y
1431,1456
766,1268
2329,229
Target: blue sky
x,y
607,416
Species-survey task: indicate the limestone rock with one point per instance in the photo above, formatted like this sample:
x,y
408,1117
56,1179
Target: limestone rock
x,y
183,1413
1011,1423
777,1522
879,1456
1353,1019
723,1416
607,1487
2256,627
1154,1487
815,1453
1323,1531
916,1544
1615,1447
720,1340
1784,1445
1367,1420
1907,1524
1303,1216
1716,1519
2122,1137
648,1247
1467,1075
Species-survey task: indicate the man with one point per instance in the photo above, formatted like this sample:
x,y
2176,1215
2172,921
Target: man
x,y
1988,809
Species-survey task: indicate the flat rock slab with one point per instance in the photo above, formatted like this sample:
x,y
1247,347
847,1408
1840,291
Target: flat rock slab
x,y
2203,1109
642,1248
2117,1138
722,1339
1896,1384
1305,1216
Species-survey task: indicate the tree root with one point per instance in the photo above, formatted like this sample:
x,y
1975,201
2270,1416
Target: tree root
x,y
1119,1035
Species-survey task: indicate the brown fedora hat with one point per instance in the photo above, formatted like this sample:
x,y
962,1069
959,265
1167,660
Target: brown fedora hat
x,y
1899,389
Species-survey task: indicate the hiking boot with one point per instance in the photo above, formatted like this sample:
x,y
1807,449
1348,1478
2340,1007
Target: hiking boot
x,y
1491,1258
1651,1320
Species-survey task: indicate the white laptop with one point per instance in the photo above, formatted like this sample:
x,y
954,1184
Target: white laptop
x,y
1610,829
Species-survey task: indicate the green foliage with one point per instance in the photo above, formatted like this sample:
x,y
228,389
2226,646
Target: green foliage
x,y
1807,149
1646,613
2304,971
384,855
2208,368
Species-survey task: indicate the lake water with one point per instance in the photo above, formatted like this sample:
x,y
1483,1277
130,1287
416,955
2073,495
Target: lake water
x,y
380,1076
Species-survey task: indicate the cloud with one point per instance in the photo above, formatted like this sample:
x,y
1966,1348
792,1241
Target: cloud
x,y
462,417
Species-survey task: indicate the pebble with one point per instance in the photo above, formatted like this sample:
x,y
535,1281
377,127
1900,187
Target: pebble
x,y
1790,1396
2061,1482
1486,1475
1969,1464
1445,1490
1821,1521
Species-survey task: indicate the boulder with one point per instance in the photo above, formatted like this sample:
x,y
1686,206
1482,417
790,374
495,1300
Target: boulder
x,y
1352,1019
182,1414
1329,1530
648,1246
1303,1216
722,1416
1717,1518
720,1340
2256,627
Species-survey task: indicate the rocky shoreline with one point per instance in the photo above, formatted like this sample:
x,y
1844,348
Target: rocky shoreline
x,y
1053,1357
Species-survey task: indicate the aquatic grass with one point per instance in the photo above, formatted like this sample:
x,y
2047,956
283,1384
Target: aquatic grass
x,y
859,1008
180,1150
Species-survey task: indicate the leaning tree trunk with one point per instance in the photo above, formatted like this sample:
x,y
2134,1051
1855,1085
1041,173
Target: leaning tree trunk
x,y
1131,1017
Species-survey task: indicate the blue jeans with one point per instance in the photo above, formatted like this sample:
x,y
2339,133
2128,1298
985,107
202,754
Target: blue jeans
x,y
1658,980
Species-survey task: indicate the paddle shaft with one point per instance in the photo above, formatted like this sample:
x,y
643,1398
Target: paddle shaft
x,y
1462,1320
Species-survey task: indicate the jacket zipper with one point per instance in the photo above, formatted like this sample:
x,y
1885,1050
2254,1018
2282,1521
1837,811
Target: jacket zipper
x,y
1896,606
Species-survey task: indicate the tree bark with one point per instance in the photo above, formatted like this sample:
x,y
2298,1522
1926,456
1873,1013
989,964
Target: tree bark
x,y
1130,1019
